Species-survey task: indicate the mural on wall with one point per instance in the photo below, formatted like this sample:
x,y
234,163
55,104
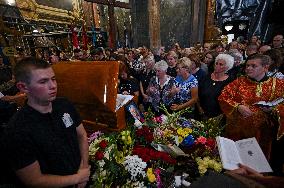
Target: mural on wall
x,y
62,4
51,10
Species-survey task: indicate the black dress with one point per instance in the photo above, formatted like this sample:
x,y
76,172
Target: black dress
x,y
208,92
130,85
171,71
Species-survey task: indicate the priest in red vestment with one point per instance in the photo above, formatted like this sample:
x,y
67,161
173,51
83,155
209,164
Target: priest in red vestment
x,y
245,118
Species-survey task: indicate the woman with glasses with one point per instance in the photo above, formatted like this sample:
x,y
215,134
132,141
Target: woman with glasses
x,y
187,87
211,86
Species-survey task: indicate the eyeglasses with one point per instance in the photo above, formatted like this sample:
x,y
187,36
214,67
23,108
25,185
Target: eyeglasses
x,y
221,64
208,57
178,68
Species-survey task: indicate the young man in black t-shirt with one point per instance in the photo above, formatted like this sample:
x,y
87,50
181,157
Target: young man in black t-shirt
x,y
45,142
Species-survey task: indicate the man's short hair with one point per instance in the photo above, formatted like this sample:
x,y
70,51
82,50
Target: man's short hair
x,y
22,70
252,47
265,59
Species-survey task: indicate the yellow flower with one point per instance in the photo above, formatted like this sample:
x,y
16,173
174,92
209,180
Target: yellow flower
x,y
211,163
150,175
180,131
217,167
119,157
202,170
189,130
180,139
206,159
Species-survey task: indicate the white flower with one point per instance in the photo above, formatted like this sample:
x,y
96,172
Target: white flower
x,y
164,118
101,163
103,173
196,123
93,149
178,181
135,166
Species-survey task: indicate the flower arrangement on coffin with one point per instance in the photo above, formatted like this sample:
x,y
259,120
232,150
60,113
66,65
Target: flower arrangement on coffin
x,y
128,158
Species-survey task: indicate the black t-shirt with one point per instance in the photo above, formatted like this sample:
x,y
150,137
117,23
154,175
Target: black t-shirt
x,y
130,85
171,71
145,78
50,139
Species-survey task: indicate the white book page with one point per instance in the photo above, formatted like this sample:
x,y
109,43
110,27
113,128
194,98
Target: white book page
x,y
252,155
1,95
229,153
271,103
121,100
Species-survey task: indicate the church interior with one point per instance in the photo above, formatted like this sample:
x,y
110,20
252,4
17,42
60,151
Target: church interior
x,y
141,93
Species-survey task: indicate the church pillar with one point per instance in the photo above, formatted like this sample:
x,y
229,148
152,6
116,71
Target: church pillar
x,y
112,32
198,20
140,23
154,23
209,20
96,16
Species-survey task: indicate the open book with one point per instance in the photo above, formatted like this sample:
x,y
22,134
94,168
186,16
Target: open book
x,y
121,100
246,151
271,103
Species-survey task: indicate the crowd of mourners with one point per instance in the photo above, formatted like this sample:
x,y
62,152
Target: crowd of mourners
x,y
210,80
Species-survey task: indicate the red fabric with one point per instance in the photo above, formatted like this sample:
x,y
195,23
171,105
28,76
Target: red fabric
x,y
244,91
84,38
74,38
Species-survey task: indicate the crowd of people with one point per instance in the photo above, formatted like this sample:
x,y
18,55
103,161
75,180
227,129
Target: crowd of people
x,y
210,81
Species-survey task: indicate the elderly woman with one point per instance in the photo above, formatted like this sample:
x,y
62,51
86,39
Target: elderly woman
x,y
187,87
160,88
211,86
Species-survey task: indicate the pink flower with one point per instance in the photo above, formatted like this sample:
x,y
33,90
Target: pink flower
x,y
158,119
201,140
158,178
94,136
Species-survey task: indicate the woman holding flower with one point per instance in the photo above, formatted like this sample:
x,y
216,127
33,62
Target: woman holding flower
x,y
160,87
187,87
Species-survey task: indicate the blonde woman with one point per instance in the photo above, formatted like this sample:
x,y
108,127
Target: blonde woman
x,y
172,58
187,86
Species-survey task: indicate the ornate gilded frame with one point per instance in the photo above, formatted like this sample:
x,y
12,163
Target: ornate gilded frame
x,y
31,10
